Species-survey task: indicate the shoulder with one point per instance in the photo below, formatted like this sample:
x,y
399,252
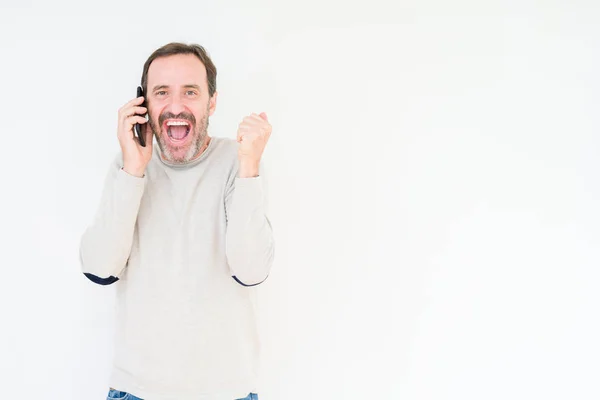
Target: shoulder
x,y
225,146
225,152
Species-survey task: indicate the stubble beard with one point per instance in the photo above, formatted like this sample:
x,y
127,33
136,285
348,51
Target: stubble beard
x,y
197,142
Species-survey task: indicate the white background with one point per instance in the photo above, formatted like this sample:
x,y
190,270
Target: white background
x,y
433,188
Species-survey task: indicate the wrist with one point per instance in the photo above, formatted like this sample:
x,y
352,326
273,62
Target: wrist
x,y
135,171
248,168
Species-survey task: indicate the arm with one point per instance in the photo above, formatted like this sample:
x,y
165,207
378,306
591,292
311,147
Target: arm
x,y
249,236
106,243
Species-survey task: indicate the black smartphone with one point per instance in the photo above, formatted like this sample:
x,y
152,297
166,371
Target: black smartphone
x,y
137,127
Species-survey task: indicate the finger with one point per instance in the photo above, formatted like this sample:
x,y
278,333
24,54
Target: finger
x,y
126,126
255,118
254,122
127,112
243,131
249,136
258,122
260,128
247,126
139,110
130,121
259,117
247,131
133,102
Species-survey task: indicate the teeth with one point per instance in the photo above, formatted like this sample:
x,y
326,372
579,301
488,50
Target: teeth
x,y
180,123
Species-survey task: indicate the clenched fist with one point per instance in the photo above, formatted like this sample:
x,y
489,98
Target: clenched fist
x,y
252,135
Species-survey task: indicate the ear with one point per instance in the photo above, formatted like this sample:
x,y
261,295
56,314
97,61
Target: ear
x,y
212,104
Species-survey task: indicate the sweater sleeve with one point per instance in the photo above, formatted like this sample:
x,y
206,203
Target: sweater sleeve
x,y
106,243
249,237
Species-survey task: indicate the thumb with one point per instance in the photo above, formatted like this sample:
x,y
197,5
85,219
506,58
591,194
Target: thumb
x,y
263,116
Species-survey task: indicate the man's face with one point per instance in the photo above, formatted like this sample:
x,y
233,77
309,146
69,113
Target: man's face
x,y
179,105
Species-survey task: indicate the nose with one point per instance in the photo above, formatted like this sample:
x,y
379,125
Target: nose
x,y
176,106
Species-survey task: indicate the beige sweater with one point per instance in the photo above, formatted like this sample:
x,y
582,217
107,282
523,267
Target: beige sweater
x,y
185,246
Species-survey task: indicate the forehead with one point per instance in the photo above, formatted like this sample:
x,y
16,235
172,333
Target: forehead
x,y
177,70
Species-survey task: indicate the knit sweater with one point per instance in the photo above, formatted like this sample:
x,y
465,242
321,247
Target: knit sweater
x,y
185,246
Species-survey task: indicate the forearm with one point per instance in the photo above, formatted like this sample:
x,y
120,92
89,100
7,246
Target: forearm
x,y
106,244
249,238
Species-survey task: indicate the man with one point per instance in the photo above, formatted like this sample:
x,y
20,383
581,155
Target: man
x,y
182,232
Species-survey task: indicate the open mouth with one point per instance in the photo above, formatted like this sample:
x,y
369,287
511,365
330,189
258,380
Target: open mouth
x,y
177,130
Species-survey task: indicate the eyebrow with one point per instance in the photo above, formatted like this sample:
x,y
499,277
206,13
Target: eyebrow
x,y
188,86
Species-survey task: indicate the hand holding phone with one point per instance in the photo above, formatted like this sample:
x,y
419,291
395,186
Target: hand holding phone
x,y
136,153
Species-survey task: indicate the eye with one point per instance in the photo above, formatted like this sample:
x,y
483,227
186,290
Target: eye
x,y
161,92
191,93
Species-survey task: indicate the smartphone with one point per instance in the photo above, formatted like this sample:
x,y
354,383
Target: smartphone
x,y
137,127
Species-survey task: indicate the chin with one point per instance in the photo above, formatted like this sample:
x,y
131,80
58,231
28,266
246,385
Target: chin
x,y
178,153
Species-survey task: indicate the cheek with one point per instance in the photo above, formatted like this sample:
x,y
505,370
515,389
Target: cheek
x,y
153,115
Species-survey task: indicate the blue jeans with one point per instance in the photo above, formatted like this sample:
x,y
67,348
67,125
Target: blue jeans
x,y
118,395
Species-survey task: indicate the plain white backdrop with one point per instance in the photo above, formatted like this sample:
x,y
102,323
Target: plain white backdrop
x,y
433,189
